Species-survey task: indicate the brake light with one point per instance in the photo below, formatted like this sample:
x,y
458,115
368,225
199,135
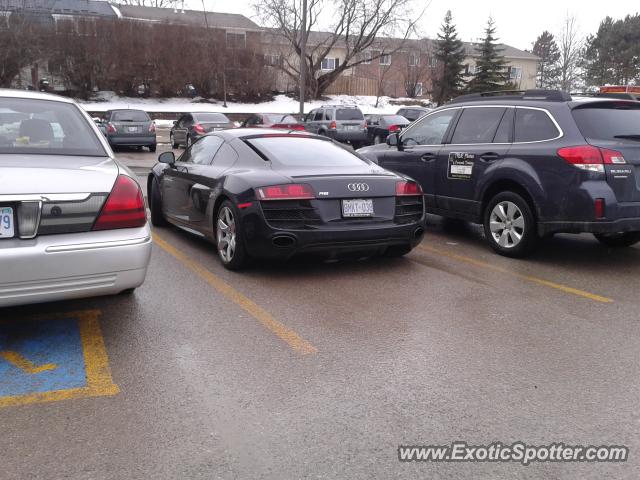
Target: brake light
x,y
394,128
590,158
293,191
405,188
199,128
296,126
599,208
152,128
111,128
124,207
364,125
333,126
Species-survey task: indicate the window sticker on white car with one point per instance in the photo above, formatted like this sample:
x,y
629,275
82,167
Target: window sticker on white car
x,y
460,165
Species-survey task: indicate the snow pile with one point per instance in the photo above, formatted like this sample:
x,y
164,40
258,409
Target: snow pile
x,y
280,104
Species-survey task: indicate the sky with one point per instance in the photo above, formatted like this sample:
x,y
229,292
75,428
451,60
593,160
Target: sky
x,y
518,23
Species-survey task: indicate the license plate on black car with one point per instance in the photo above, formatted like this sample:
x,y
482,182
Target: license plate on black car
x,y
357,208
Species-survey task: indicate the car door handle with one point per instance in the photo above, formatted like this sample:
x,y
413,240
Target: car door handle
x,y
428,157
489,157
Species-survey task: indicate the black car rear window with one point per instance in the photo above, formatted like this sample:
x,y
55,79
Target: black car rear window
x,y
300,151
34,126
618,121
534,126
393,120
130,116
349,114
211,118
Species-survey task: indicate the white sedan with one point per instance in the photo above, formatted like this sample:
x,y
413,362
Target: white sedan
x,y
72,220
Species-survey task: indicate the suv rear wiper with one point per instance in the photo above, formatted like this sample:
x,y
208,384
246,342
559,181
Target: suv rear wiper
x,y
630,136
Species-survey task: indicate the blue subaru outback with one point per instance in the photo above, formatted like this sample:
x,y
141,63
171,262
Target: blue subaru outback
x,y
526,165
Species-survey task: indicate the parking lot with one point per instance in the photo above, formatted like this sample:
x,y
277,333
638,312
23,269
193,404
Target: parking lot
x,y
322,369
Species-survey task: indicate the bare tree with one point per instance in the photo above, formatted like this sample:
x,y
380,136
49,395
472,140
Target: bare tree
x,y
417,71
150,3
357,26
20,40
570,46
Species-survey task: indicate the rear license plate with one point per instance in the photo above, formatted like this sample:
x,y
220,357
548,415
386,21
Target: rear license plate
x,y
357,208
6,223
352,127
132,129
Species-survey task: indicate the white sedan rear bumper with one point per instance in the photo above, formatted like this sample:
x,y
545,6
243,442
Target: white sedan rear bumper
x,y
61,267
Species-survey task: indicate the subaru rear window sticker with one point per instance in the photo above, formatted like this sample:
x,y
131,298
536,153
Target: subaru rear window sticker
x,y
460,165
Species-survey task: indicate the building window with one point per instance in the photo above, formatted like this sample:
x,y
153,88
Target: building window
x,y
385,59
366,57
272,60
414,59
515,73
418,89
330,63
236,40
433,61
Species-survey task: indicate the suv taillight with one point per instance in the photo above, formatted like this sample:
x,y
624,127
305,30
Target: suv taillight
x,y
292,191
590,158
124,207
199,128
333,125
152,128
111,128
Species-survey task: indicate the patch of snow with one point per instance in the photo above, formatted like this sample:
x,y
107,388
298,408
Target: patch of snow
x,y
280,104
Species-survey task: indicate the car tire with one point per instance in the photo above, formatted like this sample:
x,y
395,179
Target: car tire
x,y
229,238
152,148
172,141
155,205
510,226
618,240
396,251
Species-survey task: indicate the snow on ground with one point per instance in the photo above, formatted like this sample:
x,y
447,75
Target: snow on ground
x,y
280,104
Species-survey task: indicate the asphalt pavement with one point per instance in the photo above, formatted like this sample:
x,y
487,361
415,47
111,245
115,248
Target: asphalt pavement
x,y
321,370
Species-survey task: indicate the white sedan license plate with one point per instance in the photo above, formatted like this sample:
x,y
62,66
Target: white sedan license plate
x,y
357,208
6,223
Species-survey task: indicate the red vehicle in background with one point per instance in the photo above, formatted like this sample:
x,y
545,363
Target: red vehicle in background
x,y
626,92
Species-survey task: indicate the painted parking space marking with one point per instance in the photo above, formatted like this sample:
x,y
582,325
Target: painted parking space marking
x,y
290,337
529,278
53,357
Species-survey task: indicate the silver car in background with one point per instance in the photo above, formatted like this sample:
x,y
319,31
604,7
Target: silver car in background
x,y
72,220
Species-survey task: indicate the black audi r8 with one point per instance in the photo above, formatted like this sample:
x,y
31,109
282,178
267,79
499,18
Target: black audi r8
x,y
258,194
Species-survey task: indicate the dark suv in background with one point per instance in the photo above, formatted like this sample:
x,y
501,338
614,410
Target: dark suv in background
x,y
343,123
191,126
527,165
130,128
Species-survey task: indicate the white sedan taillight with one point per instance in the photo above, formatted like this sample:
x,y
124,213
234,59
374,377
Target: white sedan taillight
x,y
124,207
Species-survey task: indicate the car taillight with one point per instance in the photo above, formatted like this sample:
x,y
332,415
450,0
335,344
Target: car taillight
x,y
590,158
333,126
298,127
152,128
405,188
111,128
293,191
364,125
394,128
124,207
599,208
199,128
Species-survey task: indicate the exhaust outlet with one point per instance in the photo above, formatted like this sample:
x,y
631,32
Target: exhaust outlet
x,y
283,241
418,233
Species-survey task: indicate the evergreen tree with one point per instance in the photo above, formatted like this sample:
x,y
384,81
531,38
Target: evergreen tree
x,y
548,72
491,73
450,55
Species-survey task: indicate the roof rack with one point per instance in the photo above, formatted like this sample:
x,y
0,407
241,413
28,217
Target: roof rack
x,y
548,95
339,105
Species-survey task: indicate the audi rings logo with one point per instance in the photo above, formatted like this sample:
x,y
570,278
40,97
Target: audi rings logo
x,y
358,187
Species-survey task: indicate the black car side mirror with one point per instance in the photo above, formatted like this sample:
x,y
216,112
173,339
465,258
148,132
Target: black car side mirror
x,y
167,157
175,122
394,140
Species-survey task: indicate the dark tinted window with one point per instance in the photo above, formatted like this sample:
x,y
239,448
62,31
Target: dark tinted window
x,y
477,125
609,120
279,118
430,130
45,127
298,151
533,126
318,116
130,116
202,151
211,118
505,129
349,114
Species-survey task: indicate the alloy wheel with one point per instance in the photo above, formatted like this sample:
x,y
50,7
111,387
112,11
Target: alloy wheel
x,y
226,234
507,224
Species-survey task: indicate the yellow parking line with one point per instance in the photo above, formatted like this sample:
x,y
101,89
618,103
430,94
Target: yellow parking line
x,y
18,361
290,337
529,278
